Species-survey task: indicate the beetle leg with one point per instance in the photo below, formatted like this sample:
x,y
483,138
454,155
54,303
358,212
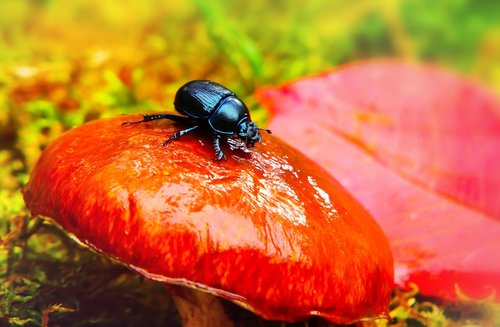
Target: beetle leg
x,y
218,151
178,134
179,119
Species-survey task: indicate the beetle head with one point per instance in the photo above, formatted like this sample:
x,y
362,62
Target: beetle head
x,y
250,133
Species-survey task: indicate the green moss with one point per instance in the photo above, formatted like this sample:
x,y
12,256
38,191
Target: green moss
x,y
47,276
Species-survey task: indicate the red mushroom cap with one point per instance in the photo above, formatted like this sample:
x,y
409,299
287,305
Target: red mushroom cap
x,y
270,230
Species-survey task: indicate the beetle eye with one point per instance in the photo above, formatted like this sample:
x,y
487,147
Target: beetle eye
x,y
252,134
243,130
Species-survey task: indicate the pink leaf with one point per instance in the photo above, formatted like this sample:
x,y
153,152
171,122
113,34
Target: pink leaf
x,y
419,147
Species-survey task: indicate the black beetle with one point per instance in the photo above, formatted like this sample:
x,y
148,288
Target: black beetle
x,y
210,106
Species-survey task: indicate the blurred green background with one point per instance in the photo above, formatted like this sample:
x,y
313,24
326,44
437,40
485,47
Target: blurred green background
x,y
63,63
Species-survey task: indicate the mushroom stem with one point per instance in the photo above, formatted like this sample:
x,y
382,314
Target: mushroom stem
x,y
198,309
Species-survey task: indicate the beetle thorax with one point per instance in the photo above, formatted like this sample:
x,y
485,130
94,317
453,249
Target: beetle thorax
x,y
229,114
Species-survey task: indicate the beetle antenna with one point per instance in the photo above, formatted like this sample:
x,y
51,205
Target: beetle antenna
x,y
263,129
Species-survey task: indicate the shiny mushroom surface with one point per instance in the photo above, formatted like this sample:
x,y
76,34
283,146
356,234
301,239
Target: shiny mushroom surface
x,y
268,229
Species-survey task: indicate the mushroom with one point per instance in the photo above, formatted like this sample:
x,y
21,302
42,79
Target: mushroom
x,y
268,230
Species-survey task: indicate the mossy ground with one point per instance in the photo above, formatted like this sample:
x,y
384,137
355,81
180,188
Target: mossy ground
x,y
63,63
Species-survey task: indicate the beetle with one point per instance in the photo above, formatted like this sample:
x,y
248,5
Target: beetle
x,y
209,106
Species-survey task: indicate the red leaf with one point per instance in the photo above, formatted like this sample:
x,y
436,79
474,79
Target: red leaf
x,y
258,228
419,147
